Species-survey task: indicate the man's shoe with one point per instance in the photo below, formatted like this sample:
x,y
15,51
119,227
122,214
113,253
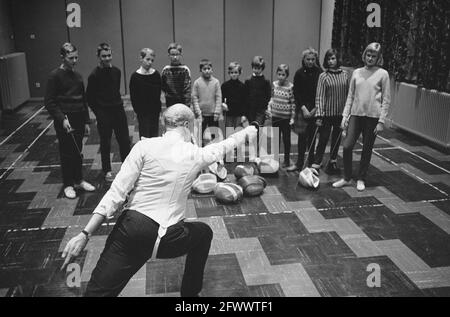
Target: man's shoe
x,y
341,183
332,168
85,186
360,186
69,192
109,176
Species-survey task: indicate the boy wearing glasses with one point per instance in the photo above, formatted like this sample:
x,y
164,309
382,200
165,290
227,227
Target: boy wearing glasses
x,y
176,78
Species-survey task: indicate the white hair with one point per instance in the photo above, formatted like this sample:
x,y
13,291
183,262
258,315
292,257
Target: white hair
x,y
177,115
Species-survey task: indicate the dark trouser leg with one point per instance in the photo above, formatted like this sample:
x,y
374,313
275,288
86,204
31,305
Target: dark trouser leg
x,y
121,132
193,239
154,125
353,132
324,136
232,121
311,140
144,125
208,122
105,121
66,151
127,248
335,137
285,134
70,156
368,127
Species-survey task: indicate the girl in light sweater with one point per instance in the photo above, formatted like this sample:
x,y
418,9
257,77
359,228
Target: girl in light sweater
x,y
365,112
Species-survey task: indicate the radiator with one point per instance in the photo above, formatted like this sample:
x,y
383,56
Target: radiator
x,y
423,112
14,89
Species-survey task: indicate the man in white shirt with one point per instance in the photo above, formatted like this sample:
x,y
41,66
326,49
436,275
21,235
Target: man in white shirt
x,y
156,177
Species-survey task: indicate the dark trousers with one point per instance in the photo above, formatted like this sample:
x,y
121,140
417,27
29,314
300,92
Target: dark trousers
x,y
285,133
306,141
328,124
232,121
109,120
209,122
69,154
130,245
257,115
356,126
148,125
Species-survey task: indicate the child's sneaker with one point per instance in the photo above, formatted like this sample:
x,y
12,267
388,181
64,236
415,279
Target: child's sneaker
x,y
360,186
109,176
85,186
341,183
69,192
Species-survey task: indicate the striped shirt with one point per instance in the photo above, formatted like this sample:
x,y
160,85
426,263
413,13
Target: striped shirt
x,y
332,90
176,84
282,103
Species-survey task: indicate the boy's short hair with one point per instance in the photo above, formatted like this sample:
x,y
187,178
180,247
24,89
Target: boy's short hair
x,y
103,47
258,61
67,48
146,51
283,68
175,46
376,48
310,51
234,65
205,62
330,53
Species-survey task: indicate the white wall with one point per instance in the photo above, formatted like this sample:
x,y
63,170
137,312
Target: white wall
x,y
326,27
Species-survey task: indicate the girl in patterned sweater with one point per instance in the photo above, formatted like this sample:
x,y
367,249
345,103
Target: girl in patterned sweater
x,y
282,109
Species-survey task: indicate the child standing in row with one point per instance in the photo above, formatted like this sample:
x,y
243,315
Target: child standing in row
x,y
305,86
207,96
258,92
365,112
176,78
234,96
282,109
332,90
145,95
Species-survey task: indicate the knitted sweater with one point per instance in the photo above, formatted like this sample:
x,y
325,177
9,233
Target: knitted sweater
x,y
282,103
103,89
369,94
176,84
235,94
207,97
145,93
305,86
258,93
332,90
65,94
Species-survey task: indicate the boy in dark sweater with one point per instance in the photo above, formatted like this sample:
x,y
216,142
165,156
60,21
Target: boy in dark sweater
x,y
103,94
258,92
65,100
234,97
305,86
145,95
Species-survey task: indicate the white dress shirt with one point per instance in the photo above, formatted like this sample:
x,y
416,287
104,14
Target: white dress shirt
x,y
158,175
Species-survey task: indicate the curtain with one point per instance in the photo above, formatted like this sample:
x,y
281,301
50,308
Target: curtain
x,y
415,37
